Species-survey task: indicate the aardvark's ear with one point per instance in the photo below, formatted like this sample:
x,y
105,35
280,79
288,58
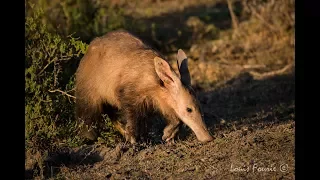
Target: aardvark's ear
x,y
182,62
164,72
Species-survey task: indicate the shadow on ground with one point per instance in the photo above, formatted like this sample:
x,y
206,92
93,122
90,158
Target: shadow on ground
x,y
246,101
86,156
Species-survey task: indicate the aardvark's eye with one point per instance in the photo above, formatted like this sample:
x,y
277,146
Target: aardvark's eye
x,y
189,110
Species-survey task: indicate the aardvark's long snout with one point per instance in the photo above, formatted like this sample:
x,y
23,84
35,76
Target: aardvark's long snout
x,y
200,129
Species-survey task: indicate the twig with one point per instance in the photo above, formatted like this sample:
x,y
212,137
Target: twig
x,y
234,18
55,73
73,89
54,59
58,90
272,73
253,66
64,58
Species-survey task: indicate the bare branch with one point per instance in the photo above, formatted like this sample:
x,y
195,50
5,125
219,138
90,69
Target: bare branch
x,y
55,74
73,89
63,58
272,73
64,93
234,18
253,66
54,59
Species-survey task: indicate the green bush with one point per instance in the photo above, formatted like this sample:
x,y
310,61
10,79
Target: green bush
x,y
50,66
50,63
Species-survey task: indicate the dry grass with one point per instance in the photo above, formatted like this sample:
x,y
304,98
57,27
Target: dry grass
x,y
262,43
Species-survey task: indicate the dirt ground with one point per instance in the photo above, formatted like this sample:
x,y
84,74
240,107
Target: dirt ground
x,y
249,107
266,152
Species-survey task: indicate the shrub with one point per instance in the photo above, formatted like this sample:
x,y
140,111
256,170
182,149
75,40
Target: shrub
x,y
50,64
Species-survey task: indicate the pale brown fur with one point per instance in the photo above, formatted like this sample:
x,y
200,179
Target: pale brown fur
x,y
119,70
115,46
95,70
